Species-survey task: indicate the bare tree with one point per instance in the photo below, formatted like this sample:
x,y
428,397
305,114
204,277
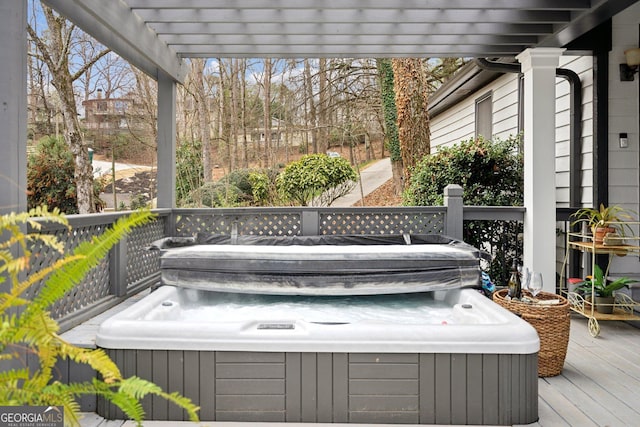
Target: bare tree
x,y
55,49
204,121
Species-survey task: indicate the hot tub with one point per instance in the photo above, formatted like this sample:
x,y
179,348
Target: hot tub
x,y
441,357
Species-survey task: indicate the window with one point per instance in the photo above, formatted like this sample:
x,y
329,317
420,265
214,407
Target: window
x,y
484,119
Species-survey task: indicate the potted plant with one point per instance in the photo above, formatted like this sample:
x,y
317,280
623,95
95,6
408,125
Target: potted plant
x,y
603,289
603,220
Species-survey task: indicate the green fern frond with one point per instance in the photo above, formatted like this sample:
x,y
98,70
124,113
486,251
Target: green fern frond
x,y
13,376
138,387
33,331
96,358
184,402
128,404
63,395
12,299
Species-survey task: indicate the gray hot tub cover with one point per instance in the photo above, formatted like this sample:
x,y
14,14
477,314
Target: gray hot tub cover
x,y
319,265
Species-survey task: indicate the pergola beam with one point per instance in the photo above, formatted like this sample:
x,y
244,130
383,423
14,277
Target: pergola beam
x,y
361,28
370,4
113,24
346,51
355,15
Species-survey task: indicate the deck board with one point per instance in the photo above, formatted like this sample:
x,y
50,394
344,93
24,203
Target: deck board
x,y
599,385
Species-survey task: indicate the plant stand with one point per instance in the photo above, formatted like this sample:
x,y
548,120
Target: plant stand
x,y
623,305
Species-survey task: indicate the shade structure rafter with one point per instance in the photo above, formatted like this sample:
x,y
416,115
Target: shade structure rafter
x,y
156,35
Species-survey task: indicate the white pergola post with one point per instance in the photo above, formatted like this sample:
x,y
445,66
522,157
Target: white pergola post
x,y
539,68
166,178
13,106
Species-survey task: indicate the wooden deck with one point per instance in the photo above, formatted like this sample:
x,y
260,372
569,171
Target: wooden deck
x,y
600,382
599,385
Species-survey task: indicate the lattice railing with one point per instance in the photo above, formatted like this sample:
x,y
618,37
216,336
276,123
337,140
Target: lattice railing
x,y
143,263
310,221
383,221
267,222
96,284
105,282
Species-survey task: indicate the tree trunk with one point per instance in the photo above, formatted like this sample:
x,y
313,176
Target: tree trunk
x,y
311,122
323,107
204,127
267,111
411,90
385,73
54,51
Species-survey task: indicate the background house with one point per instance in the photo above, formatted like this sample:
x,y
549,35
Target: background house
x,y
593,162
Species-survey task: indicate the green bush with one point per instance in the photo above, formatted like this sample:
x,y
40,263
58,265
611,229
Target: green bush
x,y
50,178
263,187
491,174
214,195
316,179
239,178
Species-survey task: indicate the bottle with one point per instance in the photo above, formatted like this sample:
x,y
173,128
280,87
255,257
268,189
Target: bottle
x,y
515,285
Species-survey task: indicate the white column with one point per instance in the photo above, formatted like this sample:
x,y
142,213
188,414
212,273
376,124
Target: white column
x,y
538,66
166,141
13,106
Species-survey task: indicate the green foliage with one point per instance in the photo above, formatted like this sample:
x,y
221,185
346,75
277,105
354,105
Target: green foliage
x,y
214,195
604,216
601,286
28,329
239,178
491,174
385,73
189,170
263,187
316,179
50,177
138,201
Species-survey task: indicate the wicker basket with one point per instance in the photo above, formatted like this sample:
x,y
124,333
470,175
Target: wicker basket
x,y
551,322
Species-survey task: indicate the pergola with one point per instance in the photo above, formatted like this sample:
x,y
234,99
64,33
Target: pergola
x,y
155,36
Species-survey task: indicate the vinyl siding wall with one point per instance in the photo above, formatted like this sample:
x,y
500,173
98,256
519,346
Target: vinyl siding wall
x,y
624,118
458,123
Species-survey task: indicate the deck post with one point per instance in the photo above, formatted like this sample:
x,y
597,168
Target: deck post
x,y
13,106
539,69
118,268
166,141
455,211
310,222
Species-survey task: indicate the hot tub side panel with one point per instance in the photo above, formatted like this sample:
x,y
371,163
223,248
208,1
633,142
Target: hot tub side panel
x,y
489,389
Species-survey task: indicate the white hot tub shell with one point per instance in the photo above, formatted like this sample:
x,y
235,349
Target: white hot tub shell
x,y
465,360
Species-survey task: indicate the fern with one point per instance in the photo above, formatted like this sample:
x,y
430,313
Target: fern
x,y
26,326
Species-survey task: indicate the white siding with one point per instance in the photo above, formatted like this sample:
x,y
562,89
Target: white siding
x,y
583,66
458,123
505,107
624,118
454,125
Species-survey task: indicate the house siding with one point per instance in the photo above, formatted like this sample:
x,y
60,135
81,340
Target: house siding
x,y
458,123
624,118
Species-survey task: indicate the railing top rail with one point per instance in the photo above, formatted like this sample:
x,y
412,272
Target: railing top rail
x,y
85,220
292,209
